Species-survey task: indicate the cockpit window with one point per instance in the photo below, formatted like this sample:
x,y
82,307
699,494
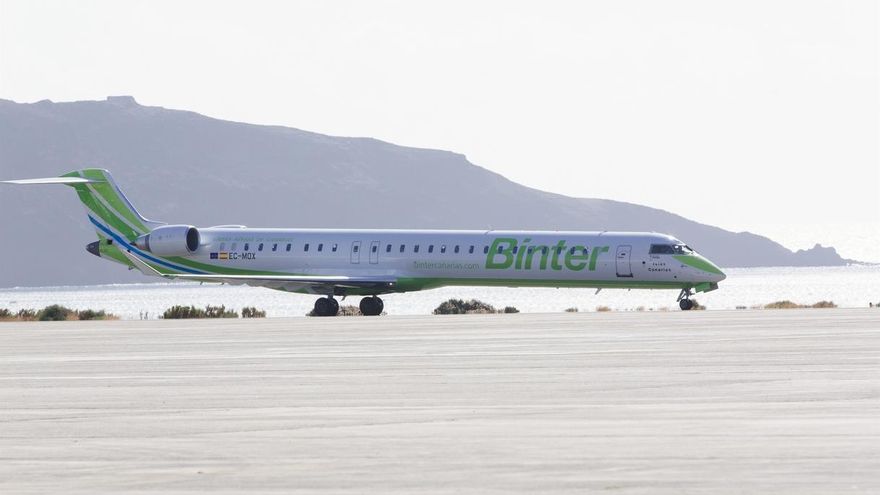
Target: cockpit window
x,y
670,249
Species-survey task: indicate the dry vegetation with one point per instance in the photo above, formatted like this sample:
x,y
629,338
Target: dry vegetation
x,y
473,306
55,312
786,304
188,312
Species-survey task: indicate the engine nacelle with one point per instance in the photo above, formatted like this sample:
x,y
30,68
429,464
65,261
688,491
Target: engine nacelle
x,y
170,240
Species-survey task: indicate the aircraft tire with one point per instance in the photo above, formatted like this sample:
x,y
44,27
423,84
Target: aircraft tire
x,y
371,306
325,306
686,304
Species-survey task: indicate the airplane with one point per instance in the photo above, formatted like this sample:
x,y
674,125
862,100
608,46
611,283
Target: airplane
x,y
370,263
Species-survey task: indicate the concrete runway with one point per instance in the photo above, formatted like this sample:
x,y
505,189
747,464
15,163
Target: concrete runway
x,y
703,402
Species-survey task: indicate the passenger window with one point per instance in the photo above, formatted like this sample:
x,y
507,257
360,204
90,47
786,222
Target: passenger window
x,y
442,248
222,246
306,247
234,246
456,249
388,248
402,248
500,249
260,247
375,248
431,248
320,247
571,251
334,247
530,250
515,249
584,251
274,247
288,247
247,246
471,250
416,248
356,248
486,250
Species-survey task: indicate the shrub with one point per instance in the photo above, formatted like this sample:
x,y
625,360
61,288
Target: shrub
x,y
219,312
603,309
252,312
786,304
183,312
188,312
349,310
5,314
790,305
510,310
26,315
571,310
824,304
460,307
91,314
56,312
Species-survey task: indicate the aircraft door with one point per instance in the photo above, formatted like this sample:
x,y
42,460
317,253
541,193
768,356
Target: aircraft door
x,y
374,252
356,252
624,269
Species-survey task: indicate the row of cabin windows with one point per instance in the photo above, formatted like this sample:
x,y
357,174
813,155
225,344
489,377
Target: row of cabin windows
x,y
288,247
456,249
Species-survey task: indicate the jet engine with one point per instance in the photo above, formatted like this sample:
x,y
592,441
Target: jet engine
x,y
170,240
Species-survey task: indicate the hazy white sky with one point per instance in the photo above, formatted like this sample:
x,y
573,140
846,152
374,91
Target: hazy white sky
x,y
749,115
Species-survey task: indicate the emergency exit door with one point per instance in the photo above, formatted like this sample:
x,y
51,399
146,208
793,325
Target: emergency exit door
x,y
356,252
374,252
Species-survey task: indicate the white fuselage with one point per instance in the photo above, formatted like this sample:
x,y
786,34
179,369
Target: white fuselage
x,y
431,258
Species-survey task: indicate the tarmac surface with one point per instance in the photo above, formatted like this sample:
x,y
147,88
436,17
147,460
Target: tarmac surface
x,y
784,401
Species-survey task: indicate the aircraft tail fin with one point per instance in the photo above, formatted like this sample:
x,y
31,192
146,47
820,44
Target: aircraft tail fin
x,y
109,211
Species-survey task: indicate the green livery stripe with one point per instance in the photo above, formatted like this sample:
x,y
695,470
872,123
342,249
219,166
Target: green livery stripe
x,y
103,213
405,284
109,194
699,263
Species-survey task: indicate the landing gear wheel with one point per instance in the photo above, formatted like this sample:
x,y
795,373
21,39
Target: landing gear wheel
x,y
326,306
371,306
684,301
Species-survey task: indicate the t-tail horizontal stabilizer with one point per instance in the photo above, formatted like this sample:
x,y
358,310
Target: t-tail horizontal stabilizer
x,y
53,180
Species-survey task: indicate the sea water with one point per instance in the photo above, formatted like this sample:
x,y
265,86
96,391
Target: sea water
x,y
849,286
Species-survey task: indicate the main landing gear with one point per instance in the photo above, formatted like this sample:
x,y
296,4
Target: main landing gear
x,y
328,306
684,301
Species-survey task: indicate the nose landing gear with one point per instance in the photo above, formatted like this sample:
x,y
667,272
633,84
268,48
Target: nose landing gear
x,y
684,301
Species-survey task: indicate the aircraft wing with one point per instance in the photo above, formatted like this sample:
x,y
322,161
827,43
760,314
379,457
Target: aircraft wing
x,y
318,284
